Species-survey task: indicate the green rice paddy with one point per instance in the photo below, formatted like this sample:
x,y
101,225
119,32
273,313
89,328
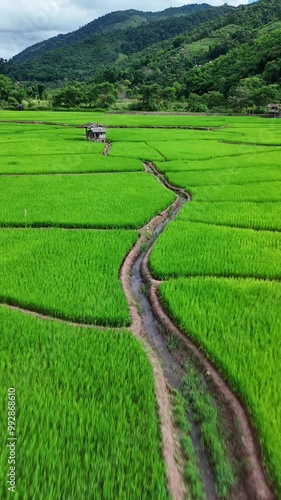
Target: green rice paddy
x,y
84,402
251,215
72,275
124,200
237,322
191,249
220,259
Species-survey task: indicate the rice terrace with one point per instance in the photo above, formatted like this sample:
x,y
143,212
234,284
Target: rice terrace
x,y
141,305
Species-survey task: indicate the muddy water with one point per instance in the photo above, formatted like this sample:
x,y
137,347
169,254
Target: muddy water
x,y
171,366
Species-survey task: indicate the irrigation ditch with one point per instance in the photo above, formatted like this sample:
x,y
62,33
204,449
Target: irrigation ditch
x,y
172,354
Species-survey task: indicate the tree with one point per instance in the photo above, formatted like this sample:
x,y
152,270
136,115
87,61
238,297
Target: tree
x,y
6,87
215,99
241,98
103,95
149,97
70,96
196,104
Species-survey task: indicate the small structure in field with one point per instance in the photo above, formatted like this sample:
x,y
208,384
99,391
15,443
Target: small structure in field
x,y
274,110
95,132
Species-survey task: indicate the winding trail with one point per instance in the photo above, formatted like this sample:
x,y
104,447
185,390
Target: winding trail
x,y
254,483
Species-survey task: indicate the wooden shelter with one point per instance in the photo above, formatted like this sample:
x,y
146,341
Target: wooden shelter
x,y
274,110
95,132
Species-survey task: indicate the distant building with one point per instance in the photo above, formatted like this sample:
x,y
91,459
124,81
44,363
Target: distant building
x,y
95,132
274,110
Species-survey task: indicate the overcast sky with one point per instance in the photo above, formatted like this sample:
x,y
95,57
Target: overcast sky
x,y
25,22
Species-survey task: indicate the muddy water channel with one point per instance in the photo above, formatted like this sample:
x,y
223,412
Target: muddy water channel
x,y
159,341
238,473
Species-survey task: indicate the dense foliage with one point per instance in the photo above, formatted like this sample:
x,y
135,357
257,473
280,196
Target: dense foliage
x,y
196,58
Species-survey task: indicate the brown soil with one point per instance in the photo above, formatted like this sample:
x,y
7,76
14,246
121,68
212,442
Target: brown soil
x,y
169,444
45,317
254,483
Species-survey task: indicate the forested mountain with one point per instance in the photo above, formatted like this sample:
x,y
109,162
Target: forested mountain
x,y
194,57
119,20
80,56
212,56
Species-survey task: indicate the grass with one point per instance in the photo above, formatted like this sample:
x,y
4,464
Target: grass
x,y
202,150
72,275
260,159
238,176
86,418
192,249
237,323
192,474
255,191
125,200
31,142
54,164
139,150
213,435
259,216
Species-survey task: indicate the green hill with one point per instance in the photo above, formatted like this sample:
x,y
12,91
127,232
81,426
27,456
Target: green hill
x,y
105,41
195,57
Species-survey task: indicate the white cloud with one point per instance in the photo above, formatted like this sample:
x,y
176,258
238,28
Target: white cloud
x,y
25,22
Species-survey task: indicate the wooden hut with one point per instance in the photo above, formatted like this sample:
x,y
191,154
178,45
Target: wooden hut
x,y
274,110
95,132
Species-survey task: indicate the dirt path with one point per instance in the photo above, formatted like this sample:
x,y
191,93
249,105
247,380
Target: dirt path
x,y
169,444
253,481
35,314
161,127
108,146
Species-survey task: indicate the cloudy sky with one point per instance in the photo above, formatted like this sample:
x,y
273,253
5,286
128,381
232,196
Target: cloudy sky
x,y
25,22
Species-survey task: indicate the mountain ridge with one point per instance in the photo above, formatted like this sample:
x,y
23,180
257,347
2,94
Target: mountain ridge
x,y
111,21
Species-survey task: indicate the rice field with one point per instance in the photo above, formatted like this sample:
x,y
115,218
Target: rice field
x,y
123,200
73,275
258,192
163,135
139,150
51,141
127,120
87,424
238,176
203,150
266,216
260,159
221,262
75,164
191,249
220,259
237,323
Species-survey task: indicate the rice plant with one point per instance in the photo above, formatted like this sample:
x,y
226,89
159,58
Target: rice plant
x,y
72,275
123,200
86,418
191,249
237,322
